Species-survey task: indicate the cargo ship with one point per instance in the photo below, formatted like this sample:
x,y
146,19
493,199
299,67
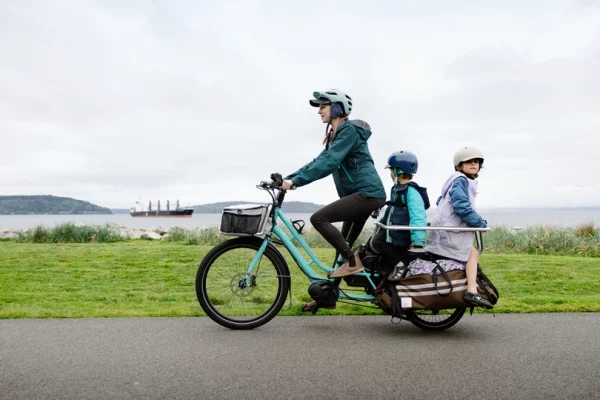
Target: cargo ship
x,y
138,210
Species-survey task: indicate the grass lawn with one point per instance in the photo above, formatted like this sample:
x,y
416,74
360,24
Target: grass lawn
x,y
144,278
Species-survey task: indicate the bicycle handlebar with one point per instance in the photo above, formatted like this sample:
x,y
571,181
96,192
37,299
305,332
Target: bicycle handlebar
x,y
275,183
271,187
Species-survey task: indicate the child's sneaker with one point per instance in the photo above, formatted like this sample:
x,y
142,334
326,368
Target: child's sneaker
x,y
475,299
397,273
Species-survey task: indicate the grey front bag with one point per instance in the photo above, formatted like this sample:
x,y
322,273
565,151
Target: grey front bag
x,y
246,220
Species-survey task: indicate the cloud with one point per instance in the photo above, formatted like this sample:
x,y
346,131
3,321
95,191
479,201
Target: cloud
x,y
109,101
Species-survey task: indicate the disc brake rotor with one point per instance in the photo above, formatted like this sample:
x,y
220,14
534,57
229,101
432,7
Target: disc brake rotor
x,y
242,286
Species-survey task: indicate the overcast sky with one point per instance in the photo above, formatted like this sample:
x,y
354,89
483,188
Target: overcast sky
x,y
108,101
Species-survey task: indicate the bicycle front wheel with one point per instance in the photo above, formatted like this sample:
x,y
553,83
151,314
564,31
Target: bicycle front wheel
x,y
235,299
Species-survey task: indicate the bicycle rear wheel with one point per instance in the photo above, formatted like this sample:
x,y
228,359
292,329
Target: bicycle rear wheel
x,y
231,297
435,320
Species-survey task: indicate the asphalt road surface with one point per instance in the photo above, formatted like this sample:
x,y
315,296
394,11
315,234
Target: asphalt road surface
x,y
522,356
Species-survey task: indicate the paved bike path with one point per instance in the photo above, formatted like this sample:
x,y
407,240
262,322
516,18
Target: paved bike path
x,y
523,356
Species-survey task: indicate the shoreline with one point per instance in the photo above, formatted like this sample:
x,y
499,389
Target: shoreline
x,y
583,240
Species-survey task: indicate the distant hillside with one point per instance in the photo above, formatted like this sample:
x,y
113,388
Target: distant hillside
x,y
12,205
295,207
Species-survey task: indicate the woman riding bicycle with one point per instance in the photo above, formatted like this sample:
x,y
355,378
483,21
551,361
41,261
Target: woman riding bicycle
x,y
346,156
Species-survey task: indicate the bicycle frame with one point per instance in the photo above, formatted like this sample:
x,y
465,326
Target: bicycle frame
x,y
305,266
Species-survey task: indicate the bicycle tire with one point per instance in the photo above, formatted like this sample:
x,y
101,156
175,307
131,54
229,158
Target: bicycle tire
x,y
251,243
414,317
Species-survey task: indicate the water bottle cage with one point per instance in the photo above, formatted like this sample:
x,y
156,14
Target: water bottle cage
x,y
299,225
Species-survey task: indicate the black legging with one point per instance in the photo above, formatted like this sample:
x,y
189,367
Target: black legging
x,y
353,210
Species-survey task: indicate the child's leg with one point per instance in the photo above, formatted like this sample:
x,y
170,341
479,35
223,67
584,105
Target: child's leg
x,y
472,271
472,296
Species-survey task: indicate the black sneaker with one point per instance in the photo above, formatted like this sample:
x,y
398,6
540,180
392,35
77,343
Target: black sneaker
x,y
397,273
475,299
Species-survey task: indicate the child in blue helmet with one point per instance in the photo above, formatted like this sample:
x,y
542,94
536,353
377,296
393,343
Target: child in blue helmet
x,y
406,206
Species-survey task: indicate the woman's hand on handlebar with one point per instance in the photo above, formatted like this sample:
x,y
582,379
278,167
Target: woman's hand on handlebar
x,y
287,185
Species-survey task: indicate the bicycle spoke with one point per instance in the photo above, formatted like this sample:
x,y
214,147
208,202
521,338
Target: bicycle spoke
x,y
232,293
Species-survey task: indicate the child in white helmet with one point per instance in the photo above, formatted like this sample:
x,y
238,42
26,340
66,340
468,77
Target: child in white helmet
x,y
456,207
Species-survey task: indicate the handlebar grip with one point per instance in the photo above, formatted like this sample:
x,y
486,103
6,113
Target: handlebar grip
x,y
274,184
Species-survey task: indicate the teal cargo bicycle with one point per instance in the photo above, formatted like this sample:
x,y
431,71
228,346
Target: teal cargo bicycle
x,y
243,282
